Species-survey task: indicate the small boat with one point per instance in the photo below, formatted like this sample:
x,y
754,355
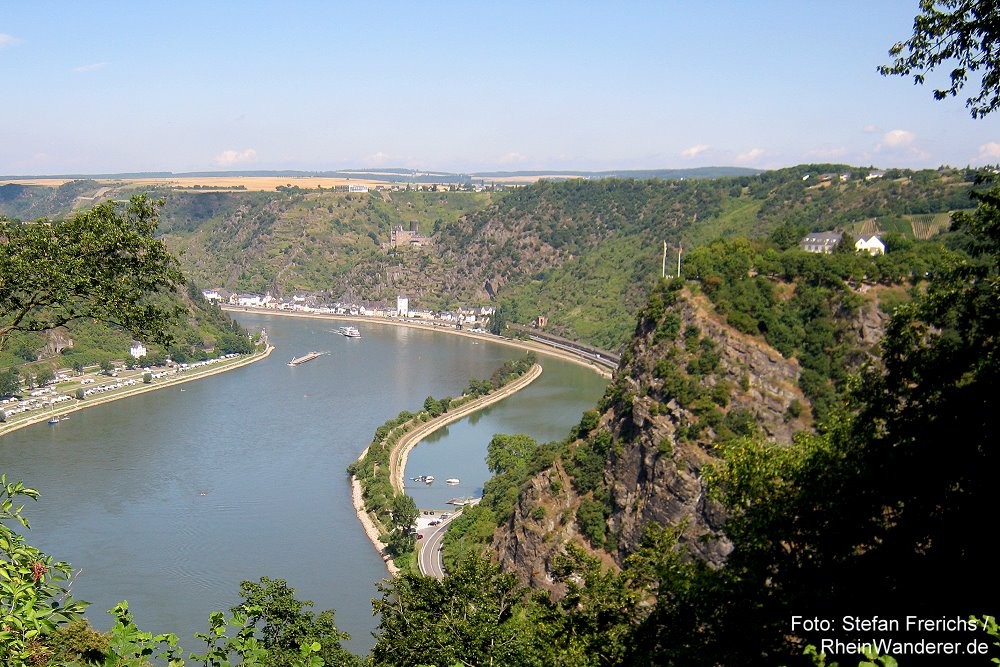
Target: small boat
x,y
452,481
419,478
54,420
349,332
429,479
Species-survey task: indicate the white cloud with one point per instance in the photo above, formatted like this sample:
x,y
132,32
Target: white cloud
x,y
898,138
990,151
90,68
694,151
750,155
902,143
8,40
870,128
228,158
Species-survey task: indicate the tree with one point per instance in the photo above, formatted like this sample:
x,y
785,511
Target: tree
x,y
509,452
46,375
102,264
404,515
473,617
283,625
404,511
10,382
962,35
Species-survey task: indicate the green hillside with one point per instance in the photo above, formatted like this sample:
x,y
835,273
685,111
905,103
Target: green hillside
x,y
583,253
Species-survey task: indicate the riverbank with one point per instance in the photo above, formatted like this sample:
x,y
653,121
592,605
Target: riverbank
x,y
399,451
188,376
530,346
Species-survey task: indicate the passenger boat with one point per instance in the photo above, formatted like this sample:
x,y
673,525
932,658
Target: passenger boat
x,y
349,332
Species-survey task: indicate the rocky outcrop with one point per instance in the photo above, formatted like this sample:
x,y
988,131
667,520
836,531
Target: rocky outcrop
x,y
56,340
687,383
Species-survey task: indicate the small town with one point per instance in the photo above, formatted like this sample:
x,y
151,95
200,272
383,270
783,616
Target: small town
x,y
474,318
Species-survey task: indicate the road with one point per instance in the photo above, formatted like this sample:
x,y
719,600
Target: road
x,y
429,557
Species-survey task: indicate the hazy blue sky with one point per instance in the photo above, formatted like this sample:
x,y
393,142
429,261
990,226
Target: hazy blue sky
x,y
461,86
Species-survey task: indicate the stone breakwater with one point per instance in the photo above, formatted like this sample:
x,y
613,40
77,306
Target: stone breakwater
x,y
399,452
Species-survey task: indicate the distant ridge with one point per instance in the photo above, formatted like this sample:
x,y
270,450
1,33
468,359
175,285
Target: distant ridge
x,y
417,175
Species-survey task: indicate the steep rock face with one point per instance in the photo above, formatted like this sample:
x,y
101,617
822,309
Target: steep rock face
x,y
56,340
687,382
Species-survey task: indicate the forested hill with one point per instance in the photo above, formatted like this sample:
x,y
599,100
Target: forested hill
x,y
582,253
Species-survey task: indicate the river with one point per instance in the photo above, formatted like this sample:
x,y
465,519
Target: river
x,y
171,498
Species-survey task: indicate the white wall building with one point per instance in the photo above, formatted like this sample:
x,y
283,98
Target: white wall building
x,y
871,244
137,350
402,305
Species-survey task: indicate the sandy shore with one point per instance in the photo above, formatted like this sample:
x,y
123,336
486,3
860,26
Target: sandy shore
x,y
500,340
371,530
188,376
398,455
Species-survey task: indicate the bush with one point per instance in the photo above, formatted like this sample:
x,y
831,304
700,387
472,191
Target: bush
x,y
592,518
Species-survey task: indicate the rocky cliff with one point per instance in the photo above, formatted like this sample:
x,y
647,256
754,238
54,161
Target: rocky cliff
x,y
688,383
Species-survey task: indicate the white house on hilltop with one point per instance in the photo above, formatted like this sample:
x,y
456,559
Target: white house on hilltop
x,y
138,350
870,244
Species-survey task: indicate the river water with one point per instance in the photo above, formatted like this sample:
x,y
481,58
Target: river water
x,y
170,499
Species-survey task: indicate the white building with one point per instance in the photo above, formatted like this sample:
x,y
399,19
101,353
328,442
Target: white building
x,y
137,350
871,244
357,188
252,299
402,305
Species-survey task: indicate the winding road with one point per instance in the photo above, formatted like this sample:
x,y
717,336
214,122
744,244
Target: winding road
x,y
429,558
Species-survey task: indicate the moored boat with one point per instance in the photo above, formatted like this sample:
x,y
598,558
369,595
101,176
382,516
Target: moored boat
x,y
452,481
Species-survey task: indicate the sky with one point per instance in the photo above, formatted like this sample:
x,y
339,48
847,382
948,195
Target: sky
x,y
111,87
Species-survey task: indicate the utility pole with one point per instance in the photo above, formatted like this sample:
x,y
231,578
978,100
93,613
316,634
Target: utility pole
x,y
663,270
680,249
